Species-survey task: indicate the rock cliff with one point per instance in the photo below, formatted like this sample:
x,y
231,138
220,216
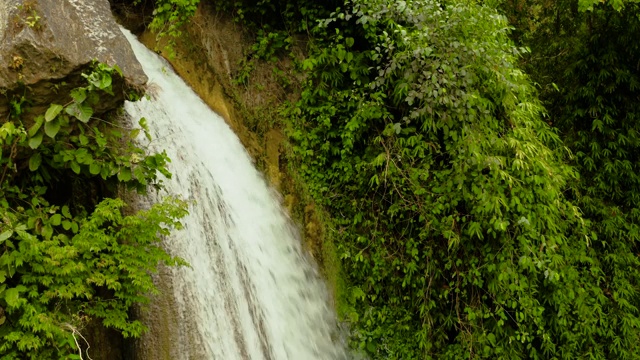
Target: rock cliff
x,y
45,45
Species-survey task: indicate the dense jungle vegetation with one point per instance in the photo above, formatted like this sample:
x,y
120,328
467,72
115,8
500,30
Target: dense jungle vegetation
x,y
478,162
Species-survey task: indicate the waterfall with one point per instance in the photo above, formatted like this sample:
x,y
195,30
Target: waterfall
x,y
250,292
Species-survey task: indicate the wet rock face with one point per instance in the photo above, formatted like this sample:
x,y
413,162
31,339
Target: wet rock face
x,y
45,45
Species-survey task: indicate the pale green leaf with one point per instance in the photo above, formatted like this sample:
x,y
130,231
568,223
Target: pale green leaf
x,y
5,235
82,112
75,167
78,95
56,219
95,168
124,174
52,112
39,120
36,140
52,128
12,297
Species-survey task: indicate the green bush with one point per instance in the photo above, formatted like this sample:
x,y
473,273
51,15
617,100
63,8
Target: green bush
x,y
67,252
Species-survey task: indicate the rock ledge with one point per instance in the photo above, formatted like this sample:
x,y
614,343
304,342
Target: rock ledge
x,y
45,45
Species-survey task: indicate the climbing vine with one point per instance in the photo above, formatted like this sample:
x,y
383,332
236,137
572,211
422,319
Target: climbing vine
x,y
68,252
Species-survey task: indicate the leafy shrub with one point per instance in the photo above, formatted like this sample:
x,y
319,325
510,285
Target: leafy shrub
x,y
67,252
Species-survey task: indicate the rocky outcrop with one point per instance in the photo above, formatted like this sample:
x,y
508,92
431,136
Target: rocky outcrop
x,y
45,45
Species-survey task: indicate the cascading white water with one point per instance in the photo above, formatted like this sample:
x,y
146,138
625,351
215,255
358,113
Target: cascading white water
x,y
250,293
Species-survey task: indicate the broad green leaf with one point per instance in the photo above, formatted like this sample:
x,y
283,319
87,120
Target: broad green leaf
x,y
35,161
95,168
84,140
82,112
78,95
52,128
143,123
83,156
349,41
75,167
12,297
39,120
134,133
124,174
56,219
5,235
36,140
105,81
47,231
52,112
139,174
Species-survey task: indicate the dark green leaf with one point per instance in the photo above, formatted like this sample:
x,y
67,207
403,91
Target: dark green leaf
x,y
35,161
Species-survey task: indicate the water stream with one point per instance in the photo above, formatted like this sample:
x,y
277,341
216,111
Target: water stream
x,y
250,292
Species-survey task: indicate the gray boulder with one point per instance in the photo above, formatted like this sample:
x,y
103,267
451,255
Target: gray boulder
x,y
45,46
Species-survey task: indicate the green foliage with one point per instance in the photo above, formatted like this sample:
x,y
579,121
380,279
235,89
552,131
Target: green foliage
x,y
471,223
593,59
277,21
588,5
67,252
169,16
418,132
292,16
269,44
27,14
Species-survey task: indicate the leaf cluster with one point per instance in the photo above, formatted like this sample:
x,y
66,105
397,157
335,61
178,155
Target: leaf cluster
x,y
67,251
